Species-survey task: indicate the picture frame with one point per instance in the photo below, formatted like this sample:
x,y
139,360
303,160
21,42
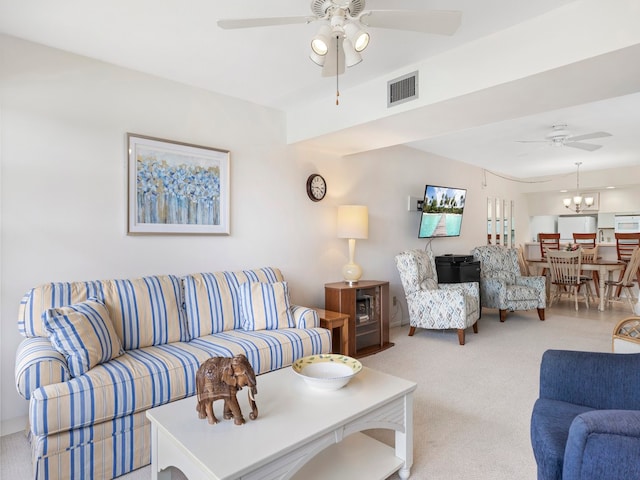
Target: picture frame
x,y
176,188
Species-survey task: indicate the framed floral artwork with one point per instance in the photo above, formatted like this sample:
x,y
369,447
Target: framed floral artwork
x,y
177,188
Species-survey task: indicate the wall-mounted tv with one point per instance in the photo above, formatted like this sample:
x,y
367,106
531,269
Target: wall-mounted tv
x,y
441,211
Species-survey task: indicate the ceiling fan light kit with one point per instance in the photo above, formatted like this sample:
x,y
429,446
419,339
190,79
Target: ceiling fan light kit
x,y
342,38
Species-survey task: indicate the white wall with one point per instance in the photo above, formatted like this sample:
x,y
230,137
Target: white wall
x,y
63,189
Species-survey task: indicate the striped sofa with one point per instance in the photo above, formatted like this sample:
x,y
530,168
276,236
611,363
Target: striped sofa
x,y
87,409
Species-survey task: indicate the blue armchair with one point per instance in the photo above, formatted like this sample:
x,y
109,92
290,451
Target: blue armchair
x,y
585,424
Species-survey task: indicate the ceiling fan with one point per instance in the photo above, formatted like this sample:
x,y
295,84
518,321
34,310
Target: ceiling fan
x,y
342,35
560,136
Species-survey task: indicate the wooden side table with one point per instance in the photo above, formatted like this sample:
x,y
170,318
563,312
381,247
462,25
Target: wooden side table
x,y
331,320
367,305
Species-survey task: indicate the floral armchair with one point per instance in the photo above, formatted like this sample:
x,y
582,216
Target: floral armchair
x,y
432,305
503,287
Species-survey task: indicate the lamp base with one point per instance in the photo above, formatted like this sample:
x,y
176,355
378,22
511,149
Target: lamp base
x,y
351,273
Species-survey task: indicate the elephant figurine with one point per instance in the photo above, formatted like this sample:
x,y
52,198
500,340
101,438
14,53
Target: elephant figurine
x,y
220,378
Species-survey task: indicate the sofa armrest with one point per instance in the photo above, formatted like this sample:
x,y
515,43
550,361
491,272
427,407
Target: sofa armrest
x,y
38,364
593,379
603,444
305,317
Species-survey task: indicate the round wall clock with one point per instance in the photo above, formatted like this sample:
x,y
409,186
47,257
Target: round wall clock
x,y
316,187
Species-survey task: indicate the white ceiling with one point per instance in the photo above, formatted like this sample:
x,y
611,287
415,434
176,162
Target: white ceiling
x,y
179,40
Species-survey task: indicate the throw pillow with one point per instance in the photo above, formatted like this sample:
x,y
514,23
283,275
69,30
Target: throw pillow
x,y
265,306
83,333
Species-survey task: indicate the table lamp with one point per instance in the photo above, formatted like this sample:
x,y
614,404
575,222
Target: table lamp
x,y
353,222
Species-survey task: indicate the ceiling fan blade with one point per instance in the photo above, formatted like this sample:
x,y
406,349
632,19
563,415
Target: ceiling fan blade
x,y
262,22
441,22
589,136
332,68
589,147
532,141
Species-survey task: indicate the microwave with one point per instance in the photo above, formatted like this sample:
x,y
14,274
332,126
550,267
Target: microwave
x,y
627,223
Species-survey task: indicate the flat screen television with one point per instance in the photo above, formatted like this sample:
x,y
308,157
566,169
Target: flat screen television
x,y
442,211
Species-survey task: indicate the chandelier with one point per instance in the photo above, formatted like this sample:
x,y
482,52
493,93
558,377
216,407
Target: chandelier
x,y
578,199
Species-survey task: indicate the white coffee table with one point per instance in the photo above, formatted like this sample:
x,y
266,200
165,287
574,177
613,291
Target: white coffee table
x,y
299,433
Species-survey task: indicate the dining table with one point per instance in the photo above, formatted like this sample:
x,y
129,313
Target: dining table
x,y
605,269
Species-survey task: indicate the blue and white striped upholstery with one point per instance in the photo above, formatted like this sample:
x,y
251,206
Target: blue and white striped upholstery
x,y
37,364
83,333
146,311
100,451
265,306
304,317
212,303
52,295
147,377
94,425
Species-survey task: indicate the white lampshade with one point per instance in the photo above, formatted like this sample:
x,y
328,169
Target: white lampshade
x,y
353,221
588,201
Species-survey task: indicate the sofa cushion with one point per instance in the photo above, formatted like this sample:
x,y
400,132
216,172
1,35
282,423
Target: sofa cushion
x,y
212,303
51,295
265,306
83,333
147,311
148,377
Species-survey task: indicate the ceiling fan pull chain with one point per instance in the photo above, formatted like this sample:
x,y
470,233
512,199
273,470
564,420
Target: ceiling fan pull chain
x,y
337,71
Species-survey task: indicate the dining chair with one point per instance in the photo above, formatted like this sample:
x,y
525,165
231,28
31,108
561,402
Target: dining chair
x,y
626,283
489,242
549,241
625,243
565,276
585,240
522,262
590,255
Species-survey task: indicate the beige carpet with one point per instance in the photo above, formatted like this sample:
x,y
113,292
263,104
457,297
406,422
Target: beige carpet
x,y
472,404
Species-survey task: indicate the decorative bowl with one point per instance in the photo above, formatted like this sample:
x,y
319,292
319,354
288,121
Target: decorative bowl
x,y
327,371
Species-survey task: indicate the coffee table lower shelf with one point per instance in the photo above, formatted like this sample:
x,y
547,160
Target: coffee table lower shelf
x,y
357,457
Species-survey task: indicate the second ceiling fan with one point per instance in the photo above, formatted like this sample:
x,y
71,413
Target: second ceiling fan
x,y
560,136
343,36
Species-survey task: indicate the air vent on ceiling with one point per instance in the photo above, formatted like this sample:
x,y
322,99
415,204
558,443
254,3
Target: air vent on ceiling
x,y
402,89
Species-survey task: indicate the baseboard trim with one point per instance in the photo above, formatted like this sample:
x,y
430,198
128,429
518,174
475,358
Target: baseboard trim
x,y
13,425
